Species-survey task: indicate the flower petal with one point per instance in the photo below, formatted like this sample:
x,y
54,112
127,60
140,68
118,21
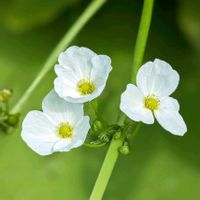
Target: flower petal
x,y
81,50
61,111
63,145
63,88
101,69
169,117
157,78
80,64
67,74
132,104
70,93
77,59
39,133
80,132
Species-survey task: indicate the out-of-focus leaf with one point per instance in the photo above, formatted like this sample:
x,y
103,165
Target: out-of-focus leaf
x,y
23,15
189,21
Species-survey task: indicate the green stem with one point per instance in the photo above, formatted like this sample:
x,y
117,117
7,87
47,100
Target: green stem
x,y
106,169
142,37
92,8
132,132
112,153
94,145
94,107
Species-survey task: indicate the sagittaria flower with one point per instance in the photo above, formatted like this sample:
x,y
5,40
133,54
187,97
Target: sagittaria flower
x,y
81,74
60,127
155,82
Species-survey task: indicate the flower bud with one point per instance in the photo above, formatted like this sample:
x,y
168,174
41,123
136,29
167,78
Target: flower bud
x,y
5,95
13,119
124,149
97,125
117,135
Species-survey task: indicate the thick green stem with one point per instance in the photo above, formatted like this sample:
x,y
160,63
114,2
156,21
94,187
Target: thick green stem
x,y
106,170
93,7
112,153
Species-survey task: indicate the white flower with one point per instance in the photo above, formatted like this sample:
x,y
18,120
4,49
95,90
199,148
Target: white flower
x,y
60,127
82,74
155,82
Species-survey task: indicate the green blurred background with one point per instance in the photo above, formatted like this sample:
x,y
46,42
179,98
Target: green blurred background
x,y
160,166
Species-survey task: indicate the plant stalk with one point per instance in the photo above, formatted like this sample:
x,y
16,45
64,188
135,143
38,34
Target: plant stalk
x,y
106,169
112,153
142,37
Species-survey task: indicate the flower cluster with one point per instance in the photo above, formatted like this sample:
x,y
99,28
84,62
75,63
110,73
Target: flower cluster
x,y
61,126
81,77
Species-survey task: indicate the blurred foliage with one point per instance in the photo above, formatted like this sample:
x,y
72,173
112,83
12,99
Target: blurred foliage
x,y
189,20
160,166
23,15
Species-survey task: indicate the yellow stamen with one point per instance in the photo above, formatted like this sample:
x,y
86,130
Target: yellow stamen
x,y
151,102
85,87
65,130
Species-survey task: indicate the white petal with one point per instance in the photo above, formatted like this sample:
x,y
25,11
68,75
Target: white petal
x,y
81,50
70,93
79,135
169,117
63,88
61,111
78,63
77,59
81,130
39,133
63,145
67,74
132,104
82,99
142,77
157,78
101,69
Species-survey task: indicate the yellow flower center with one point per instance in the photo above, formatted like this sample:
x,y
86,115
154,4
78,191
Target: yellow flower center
x,y
151,102
85,87
65,130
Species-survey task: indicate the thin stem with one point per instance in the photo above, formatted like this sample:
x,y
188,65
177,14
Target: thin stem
x,y
94,107
94,145
112,153
131,133
142,37
92,8
137,128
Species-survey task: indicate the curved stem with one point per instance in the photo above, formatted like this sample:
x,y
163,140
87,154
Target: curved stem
x,y
94,145
112,153
93,7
